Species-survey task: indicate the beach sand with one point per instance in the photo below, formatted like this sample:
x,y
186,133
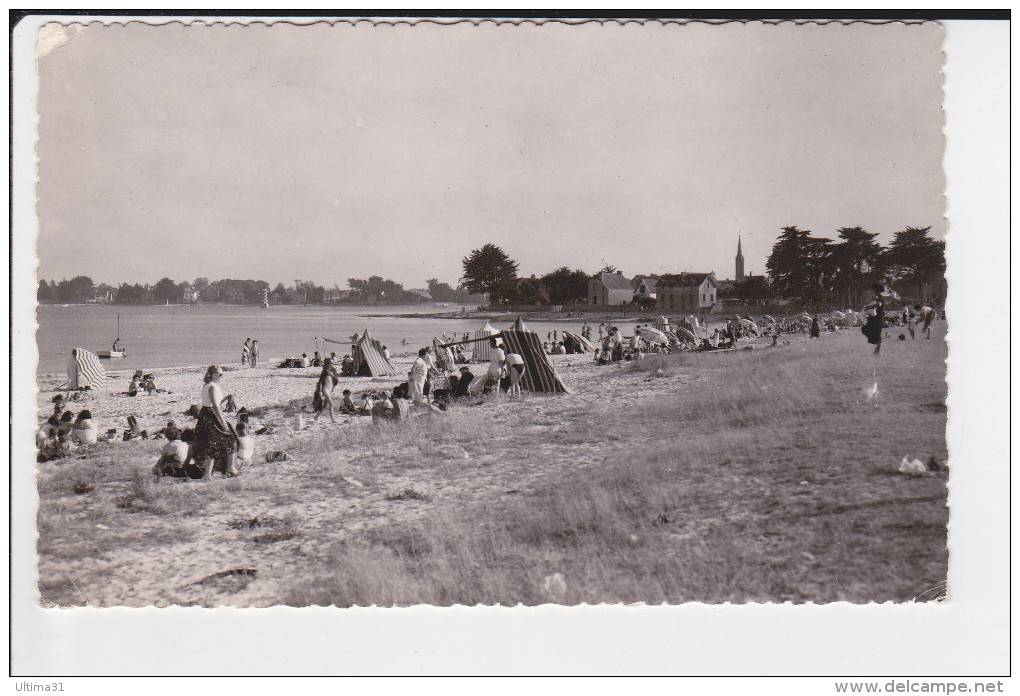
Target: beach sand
x,y
107,546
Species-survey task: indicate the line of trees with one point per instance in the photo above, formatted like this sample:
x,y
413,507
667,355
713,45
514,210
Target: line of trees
x,y
842,270
233,291
490,270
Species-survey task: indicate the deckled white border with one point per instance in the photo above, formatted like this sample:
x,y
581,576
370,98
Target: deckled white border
x,y
967,637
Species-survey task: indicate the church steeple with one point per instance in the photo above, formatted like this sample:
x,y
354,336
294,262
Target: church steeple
x,y
740,261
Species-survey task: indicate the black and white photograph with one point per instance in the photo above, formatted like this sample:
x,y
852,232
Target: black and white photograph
x,y
488,313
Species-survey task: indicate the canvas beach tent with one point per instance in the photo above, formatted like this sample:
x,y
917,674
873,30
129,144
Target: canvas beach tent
x,y
84,370
662,324
539,374
444,356
575,343
481,351
369,360
519,325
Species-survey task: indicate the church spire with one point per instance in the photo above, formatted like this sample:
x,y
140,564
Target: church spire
x,y
740,261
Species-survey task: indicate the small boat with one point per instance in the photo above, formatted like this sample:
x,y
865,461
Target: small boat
x,y
117,352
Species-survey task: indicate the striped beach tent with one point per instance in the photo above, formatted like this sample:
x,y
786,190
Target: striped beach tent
x,y
519,325
368,358
444,357
661,324
482,350
84,370
539,374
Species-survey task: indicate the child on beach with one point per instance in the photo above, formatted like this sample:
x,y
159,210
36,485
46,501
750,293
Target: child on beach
x,y
245,352
253,357
347,403
245,444
323,397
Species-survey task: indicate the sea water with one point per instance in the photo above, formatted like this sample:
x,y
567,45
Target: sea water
x,y
175,336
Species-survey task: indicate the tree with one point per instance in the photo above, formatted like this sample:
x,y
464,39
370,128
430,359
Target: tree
x,y
280,295
490,270
78,289
752,289
379,289
45,292
127,294
608,268
165,290
200,284
566,286
916,262
801,265
530,291
855,262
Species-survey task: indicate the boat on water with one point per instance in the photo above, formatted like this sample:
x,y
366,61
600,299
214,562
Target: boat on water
x,y
118,350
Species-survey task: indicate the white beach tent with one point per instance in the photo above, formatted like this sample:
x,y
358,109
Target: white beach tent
x,y
481,351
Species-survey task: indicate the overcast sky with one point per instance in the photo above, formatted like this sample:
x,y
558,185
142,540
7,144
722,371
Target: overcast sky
x,y
323,153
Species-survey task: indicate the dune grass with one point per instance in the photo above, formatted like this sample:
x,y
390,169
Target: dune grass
x,y
765,475
771,479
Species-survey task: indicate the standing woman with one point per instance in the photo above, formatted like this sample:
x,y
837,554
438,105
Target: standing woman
x,y
214,437
875,311
323,397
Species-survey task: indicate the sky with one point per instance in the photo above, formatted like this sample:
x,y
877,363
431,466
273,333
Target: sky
x,y
328,152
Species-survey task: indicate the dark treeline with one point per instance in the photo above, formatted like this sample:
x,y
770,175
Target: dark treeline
x,y
374,289
842,270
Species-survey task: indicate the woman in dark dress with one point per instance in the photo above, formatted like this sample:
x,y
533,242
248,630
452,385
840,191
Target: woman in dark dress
x,y
215,439
875,311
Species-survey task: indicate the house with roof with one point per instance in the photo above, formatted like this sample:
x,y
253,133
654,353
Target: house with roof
x,y
644,287
335,294
610,289
693,292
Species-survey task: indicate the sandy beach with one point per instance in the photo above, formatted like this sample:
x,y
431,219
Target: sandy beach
x,y
276,534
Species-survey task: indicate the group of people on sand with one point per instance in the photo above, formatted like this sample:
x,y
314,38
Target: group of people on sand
x,y
214,444
143,383
63,433
250,353
876,321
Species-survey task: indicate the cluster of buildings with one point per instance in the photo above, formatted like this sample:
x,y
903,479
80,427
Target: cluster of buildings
x,y
688,292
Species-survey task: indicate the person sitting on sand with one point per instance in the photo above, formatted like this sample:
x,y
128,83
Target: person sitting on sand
x,y
47,432
245,444
367,402
215,439
316,360
323,397
303,361
347,366
386,352
347,403
383,409
135,384
65,426
175,457
460,387
85,431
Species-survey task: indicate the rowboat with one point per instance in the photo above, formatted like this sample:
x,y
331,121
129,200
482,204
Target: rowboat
x,y
112,354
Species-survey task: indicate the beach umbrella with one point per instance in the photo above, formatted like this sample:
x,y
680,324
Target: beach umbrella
x,y
652,335
769,318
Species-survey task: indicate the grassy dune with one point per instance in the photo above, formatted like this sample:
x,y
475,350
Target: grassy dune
x,y
764,475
